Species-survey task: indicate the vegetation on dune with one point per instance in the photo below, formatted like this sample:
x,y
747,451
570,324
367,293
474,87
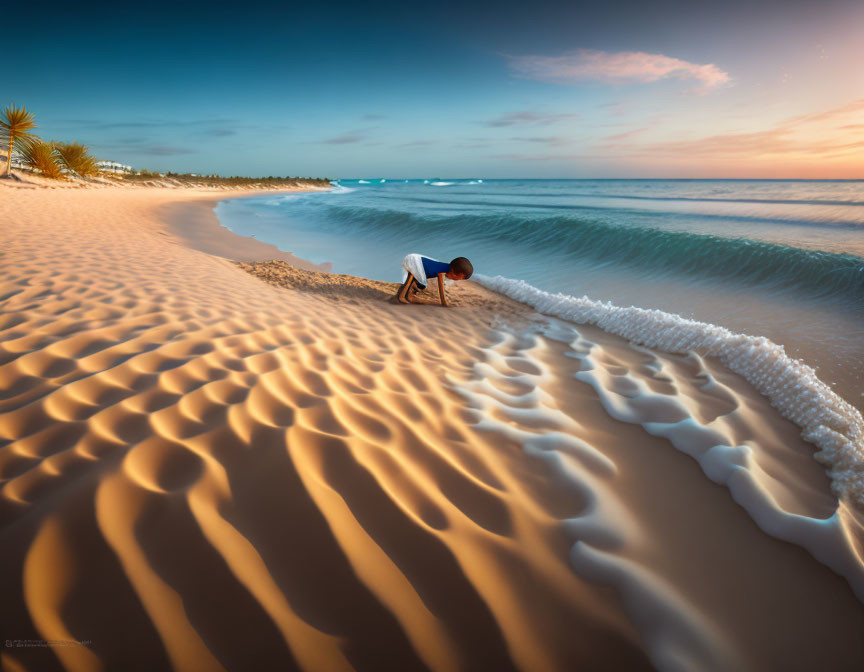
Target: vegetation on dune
x,y
76,158
39,155
233,181
58,159
15,126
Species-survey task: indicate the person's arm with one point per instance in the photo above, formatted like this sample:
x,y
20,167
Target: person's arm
x,y
441,290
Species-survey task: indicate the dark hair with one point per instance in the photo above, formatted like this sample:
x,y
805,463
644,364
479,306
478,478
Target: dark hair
x,y
461,266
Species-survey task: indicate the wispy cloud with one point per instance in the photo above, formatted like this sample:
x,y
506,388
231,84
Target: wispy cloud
x,y
543,157
148,123
416,143
820,138
349,137
780,143
833,113
626,135
346,139
473,143
541,139
529,117
616,108
138,146
166,150
622,67
521,157
615,140
822,135
775,143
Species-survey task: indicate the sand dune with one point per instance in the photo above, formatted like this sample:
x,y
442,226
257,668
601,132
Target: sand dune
x,y
202,471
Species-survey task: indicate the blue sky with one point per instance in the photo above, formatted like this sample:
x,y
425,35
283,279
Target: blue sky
x,y
505,89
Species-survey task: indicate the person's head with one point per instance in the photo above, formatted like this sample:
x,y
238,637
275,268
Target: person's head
x,y
460,269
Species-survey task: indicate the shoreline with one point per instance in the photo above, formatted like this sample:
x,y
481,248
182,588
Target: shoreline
x,y
214,460
197,224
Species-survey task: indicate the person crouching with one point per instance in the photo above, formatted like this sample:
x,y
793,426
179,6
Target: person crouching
x,y
419,270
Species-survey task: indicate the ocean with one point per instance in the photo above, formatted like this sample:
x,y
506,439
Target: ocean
x,y
780,259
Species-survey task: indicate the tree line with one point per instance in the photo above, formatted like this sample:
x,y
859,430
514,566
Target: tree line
x,y
55,160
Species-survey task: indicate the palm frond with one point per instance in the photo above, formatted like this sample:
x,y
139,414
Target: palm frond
x,y
17,121
76,158
40,155
15,126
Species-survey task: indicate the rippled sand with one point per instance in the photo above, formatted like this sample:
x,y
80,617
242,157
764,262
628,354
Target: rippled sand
x,y
201,471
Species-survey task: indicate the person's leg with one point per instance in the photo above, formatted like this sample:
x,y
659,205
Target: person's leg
x,y
407,289
414,288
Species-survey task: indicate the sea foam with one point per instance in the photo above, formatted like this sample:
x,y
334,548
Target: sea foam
x,y
680,629
792,387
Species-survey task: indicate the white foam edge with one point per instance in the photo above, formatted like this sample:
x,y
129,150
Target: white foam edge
x,y
678,637
791,386
829,540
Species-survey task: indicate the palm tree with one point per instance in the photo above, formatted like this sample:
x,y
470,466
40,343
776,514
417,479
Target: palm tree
x,y
15,126
76,158
40,155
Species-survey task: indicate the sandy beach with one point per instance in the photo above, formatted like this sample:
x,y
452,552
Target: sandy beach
x,y
213,466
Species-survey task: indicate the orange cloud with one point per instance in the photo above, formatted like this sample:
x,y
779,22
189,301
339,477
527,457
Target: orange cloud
x,y
614,68
808,138
777,142
833,113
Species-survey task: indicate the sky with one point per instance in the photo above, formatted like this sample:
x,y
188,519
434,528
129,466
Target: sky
x,y
660,89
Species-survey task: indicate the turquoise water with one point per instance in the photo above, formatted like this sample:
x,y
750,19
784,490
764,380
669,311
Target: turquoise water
x,y
782,259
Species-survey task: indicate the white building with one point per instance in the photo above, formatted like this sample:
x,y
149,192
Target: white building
x,y
114,167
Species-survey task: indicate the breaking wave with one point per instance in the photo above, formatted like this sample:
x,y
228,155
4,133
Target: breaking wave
x,y
655,251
